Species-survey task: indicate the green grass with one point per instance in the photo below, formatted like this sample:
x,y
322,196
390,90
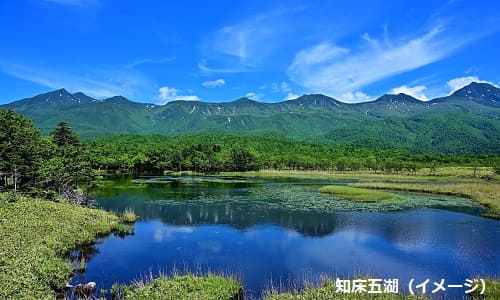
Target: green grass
x,y
356,194
485,193
35,236
492,290
328,291
129,216
441,174
179,287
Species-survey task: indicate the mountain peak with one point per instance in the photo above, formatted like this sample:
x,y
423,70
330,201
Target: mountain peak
x,y
397,98
480,92
63,90
318,100
117,99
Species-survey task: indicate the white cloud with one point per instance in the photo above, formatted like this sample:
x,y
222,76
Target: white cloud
x,y
330,69
254,96
416,91
354,97
214,83
143,61
291,96
205,69
458,83
285,87
253,38
98,83
167,94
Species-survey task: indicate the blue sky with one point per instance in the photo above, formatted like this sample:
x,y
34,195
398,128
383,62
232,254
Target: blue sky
x,y
160,51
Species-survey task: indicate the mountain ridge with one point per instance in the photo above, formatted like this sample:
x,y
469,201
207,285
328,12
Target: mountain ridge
x,y
467,121
464,92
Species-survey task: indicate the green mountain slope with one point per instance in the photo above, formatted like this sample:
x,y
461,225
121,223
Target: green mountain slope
x,y
468,121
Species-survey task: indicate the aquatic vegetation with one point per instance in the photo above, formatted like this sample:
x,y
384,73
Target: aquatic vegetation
x,y
35,236
208,287
129,216
308,198
487,194
196,179
356,194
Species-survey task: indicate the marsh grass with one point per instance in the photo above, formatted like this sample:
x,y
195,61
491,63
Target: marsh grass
x,y
129,216
82,265
35,236
486,194
441,174
327,291
177,286
492,290
357,194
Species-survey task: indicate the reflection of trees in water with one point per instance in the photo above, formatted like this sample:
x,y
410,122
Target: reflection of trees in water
x,y
80,256
306,223
233,204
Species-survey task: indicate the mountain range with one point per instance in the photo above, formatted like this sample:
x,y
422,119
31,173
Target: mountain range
x,y
467,121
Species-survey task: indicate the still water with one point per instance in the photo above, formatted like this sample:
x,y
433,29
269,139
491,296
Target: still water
x,y
280,232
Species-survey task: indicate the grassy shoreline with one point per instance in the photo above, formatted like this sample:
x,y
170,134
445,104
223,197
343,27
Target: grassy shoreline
x,y
451,181
328,289
181,287
486,194
457,174
35,234
357,194
35,237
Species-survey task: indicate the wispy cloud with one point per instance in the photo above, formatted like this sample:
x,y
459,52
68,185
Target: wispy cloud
x,y
354,97
205,69
246,39
167,94
144,61
334,70
254,96
284,87
291,96
244,45
100,83
415,91
214,83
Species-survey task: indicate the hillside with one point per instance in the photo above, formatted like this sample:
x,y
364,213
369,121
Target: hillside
x,y
465,122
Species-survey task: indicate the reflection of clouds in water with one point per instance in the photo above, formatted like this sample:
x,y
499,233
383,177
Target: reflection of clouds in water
x,y
275,238
349,253
164,233
209,246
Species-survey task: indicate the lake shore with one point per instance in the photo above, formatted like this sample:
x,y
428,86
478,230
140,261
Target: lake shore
x,y
36,237
484,188
38,233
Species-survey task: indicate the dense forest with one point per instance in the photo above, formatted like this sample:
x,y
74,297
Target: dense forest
x,y
212,153
59,162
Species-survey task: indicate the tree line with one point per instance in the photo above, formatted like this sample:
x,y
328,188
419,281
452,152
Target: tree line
x,y
42,165
215,152
59,162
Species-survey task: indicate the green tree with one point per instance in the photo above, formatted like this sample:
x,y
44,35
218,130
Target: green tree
x,y
243,160
21,150
64,136
68,165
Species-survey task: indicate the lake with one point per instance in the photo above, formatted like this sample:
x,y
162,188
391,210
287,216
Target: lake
x,y
281,232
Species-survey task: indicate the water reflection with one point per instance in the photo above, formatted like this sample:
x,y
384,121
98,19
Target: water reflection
x,y
182,225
